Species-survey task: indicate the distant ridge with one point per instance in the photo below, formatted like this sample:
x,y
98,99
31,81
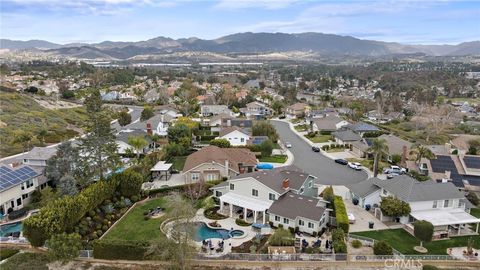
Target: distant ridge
x,y
323,44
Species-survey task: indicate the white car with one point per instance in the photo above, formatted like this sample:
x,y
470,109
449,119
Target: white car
x,y
288,145
395,169
355,165
351,218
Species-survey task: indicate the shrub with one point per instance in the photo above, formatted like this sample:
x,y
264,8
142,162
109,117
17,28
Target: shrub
x,y
340,247
241,222
327,194
281,237
473,198
423,230
394,207
119,249
382,248
130,183
64,247
356,243
338,238
341,213
212,213
292,230
134,198
222,143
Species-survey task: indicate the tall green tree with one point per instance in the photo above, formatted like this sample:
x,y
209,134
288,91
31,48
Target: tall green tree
x,y
64,247
139,143
423,230
97,150
264,128
420,151
124,118
67,185
394,207
379,148
147,113
62,163
178,131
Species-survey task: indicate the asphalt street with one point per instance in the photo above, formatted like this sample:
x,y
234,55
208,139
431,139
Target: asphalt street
x,y
325,169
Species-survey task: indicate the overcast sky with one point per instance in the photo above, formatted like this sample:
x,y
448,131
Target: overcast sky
x,y
66,21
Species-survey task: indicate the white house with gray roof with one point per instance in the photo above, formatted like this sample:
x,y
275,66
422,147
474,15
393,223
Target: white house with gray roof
x,y
264,191
441,204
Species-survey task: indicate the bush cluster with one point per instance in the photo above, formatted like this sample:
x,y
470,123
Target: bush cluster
x,y
341,214
382,248
241,222
119,249
356,243
212,213
338,238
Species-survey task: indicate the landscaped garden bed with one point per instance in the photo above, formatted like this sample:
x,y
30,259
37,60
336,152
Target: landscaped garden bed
x,y
255,245
212,213
241,222
274,159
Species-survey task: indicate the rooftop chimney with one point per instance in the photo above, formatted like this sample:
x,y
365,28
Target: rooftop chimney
x,y
286,183
149,129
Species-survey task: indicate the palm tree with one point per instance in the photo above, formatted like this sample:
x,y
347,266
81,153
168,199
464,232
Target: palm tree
x,y
138,142
379,148
420,151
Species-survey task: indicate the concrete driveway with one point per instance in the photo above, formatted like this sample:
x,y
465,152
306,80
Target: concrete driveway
x,y
362,218
325,169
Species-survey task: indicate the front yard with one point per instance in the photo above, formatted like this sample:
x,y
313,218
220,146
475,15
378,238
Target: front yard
x,y
320,138
404,242
274,159
301,128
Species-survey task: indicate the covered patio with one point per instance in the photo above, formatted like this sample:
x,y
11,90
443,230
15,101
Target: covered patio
x,y
447,222
161,170
230,200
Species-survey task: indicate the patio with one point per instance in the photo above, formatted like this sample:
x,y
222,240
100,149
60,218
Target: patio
x,y
231,203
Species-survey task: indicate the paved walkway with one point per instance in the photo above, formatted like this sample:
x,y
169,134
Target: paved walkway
x,y
362,218
174,180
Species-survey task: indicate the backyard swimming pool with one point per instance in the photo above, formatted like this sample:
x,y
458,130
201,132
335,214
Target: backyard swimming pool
x,y
7,229
203,232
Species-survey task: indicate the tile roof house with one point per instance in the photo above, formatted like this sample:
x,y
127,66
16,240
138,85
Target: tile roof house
x,y
214,163
287,193
442,204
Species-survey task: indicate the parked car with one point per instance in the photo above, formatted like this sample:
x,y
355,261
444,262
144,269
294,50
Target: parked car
x,y
288,145
355,165
395,169
351,218
315,149
341,161
391,175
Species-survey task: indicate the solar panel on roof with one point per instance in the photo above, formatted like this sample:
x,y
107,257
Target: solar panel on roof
x,y
9,177
472,162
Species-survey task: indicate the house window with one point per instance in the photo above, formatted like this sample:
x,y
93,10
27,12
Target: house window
x,y
24,196
19,201
211,177
445,203
277,218
195,176
232,186
301,222
242,139
384,191
218,193
310,225
434,204
461,203
271,196
254,192
285,220
310,184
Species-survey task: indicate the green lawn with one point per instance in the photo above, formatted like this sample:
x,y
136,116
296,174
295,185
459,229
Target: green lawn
x,y
134,227
27,260
301,127
320,138
475,212
275,159
334,150
404,242
178,162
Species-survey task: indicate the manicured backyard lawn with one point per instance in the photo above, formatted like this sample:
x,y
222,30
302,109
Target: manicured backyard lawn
x,y
275,159
178,162
320,138
475,212
404,242
133,226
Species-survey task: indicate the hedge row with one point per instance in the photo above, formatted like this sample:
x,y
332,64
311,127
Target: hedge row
x,y
338,239
118,249
64,213
341,213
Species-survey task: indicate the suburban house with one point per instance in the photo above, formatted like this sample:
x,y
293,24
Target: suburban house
x,y
17,185
157,124
209,110
329,123
382,118
215,163
216,120
122,142
362,128
257,110
237,122
287,193
297,110
441,204
39,156
396,145
346,136
463,171
235,135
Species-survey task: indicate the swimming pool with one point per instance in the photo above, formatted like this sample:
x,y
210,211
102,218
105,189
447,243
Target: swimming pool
x,y
203,232
7,229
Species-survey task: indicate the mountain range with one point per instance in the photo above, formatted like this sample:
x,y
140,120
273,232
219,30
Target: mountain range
x,y
243,43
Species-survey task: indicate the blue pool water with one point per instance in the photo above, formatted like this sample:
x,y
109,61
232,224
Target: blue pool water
x,y
10,228
203,232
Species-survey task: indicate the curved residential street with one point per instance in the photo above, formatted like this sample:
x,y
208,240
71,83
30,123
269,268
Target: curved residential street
x,y
325,169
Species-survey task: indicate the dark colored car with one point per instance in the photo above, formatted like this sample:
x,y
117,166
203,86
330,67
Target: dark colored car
x,y
315,149
341,161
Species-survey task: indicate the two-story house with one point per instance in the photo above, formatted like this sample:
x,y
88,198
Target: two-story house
x,y
297,110
441,204
263,192
16,186
235,135
210,110
215,163
257,109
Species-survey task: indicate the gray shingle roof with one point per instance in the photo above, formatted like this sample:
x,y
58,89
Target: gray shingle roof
x,y
395,144
292,206
363,127
154,121
408,189
327,123
364,188
43,153
347,135
274,178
